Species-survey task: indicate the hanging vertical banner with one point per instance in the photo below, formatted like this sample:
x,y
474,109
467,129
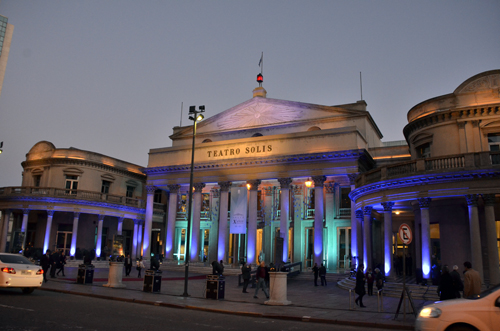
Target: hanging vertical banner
x,y
238,220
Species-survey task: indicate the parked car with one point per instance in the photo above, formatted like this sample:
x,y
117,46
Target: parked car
x,y
478,313
16,271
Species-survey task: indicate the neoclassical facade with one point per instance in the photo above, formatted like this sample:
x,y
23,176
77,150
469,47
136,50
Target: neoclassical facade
x,y
74,200
447,192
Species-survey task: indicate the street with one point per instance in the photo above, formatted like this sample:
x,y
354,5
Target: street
x,y
44,310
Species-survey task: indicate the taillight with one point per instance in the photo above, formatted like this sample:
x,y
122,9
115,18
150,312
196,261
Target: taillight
x,y
9,270
39,272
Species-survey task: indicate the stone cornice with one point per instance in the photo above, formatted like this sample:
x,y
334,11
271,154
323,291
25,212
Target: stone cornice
x,y
83,163
235,163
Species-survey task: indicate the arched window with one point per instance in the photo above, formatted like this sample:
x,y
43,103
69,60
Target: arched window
x,y
206,141
257,135
313,128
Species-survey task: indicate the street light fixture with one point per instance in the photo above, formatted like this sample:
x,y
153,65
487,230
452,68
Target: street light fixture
x,y
195,116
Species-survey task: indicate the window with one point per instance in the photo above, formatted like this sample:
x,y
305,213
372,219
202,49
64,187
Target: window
x,y
345,201
130,191
71,184
36,180
494,142
424,151
157,197
105,187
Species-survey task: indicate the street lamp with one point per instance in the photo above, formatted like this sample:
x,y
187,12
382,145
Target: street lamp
x,y
195,116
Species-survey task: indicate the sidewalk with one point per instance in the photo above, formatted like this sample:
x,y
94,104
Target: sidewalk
x,y
309,303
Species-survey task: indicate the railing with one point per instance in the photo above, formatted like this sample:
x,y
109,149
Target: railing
x,y
445,163
309,213
344,212
69,194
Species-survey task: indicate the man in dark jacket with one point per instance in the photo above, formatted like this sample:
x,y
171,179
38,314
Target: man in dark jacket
x,y
322,274
128,265
360,285
446,289
45,264
261,276
457,281
245,273
315,271
217,269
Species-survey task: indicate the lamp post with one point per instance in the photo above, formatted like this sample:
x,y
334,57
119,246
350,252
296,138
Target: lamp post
x,y
195,116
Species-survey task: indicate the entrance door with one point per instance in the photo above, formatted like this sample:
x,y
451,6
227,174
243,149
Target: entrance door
x,y
180,244
309,247
63,241
344,249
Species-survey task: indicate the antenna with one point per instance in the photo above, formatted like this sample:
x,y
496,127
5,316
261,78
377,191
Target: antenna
x,y
361,85
182,104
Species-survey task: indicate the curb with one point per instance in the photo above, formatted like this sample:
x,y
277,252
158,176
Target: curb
x,y
240,313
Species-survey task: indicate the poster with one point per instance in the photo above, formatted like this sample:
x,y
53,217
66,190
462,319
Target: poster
x,y
238,219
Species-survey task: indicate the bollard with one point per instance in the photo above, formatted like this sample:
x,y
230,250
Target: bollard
x,y
380,301
351,296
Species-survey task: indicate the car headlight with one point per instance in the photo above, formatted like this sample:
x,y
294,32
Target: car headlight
x,y
430,312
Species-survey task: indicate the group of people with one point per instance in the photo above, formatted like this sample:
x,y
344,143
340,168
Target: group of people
x,y
450,283
54,261
369,278
321,272
261,278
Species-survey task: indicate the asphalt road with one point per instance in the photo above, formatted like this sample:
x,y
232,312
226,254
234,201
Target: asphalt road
x,y
44,310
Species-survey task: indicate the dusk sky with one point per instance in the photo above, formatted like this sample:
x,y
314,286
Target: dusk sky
x,y
110,76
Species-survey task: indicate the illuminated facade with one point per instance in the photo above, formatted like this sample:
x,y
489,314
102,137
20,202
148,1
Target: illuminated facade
x,y
447,192
6,31
73,200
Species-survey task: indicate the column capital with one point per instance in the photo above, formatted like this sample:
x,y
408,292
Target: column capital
x,y
198,187
76,214
50,212
330,187
319,181
254,184
359,213
297,189
471,200
26,211
424,202
285,183
489,199
268,191
120,219
215,193
150,189
367,210
225,186
352,178
101,217
174,188
387,206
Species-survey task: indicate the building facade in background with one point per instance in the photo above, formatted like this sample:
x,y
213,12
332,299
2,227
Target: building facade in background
x,y
6,31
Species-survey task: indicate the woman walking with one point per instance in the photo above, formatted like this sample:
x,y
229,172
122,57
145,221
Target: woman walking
x,y
360,286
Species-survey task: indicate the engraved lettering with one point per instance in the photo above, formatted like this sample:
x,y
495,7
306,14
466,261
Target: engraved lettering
x,y
269,148
209,153
247,150
237,151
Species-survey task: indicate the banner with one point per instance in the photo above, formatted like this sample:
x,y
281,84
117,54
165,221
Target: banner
x,y
238,220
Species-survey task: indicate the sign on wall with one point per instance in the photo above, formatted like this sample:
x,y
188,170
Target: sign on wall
x,y
238,220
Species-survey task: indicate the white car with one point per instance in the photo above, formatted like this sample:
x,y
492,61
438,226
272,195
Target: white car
x,y
479,313
19,272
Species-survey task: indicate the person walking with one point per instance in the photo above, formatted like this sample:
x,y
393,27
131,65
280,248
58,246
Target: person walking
x,y
472,281
322,274
457,281
45,263
379,279
128,265
245,274
53,258
140,266
446,289
60,264
360,286
369,281
261,276
315,270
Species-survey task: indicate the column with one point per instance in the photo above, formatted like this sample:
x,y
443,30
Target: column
x,y
119,230
298,234
24,226
491,238
319,215
331,250
5,227
139,239
99,237
148,223
252,221
268,232
388,238
221,247
359,237
367,236
417,238
171,219
74,234
214,228
426,237
46,241
135,240
475,236
355,252
195,229
284,215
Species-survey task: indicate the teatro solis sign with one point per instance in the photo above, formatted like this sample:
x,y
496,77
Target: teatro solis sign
x,y
238,151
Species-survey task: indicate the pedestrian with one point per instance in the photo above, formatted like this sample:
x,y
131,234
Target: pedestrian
x,y
245,274
53,258
140,266
222,266
446,290
60,264
261,275
217,268
128,265
360,286
45,263
472,281
322,274
379,279
315,270
457,281
370,278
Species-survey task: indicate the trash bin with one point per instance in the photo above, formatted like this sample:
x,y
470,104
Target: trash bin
x,y
215,287
152,281
85,274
